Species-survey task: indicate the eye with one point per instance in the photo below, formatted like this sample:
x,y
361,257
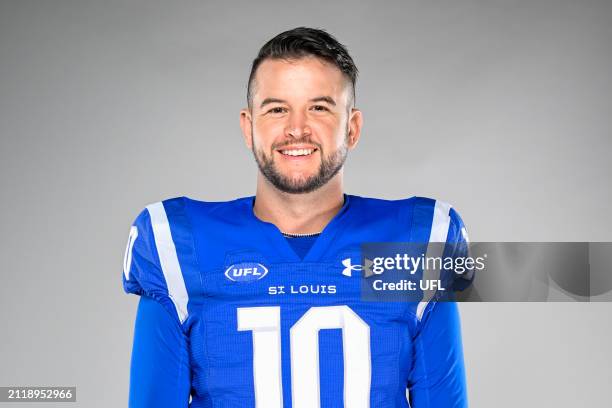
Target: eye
x,y
278,109
319,108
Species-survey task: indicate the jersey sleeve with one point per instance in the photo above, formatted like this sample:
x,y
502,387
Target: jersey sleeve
x,y
159,370
151,266
437,377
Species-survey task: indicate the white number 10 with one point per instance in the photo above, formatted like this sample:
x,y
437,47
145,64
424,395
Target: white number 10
x,y
264,322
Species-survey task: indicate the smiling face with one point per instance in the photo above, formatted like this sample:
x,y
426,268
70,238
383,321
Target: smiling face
x,y
300,126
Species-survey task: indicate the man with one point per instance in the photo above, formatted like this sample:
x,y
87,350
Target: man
x,y
256,302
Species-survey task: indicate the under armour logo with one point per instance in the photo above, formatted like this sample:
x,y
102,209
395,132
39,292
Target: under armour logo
x,y
349,268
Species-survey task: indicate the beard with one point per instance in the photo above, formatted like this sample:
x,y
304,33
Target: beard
x,y
330,166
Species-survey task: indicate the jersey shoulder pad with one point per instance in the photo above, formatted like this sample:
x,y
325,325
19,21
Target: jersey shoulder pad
x,y
151,265
443,221
436,221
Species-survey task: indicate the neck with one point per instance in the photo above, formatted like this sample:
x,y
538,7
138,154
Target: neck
x,y
306,213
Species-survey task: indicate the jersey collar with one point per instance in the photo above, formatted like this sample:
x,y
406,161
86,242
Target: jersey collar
x,y
285,252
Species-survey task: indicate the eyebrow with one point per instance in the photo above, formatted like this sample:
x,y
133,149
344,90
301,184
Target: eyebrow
x,y
327,99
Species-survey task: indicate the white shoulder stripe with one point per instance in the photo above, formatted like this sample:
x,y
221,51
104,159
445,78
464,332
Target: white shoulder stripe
x,y
168,259
127,258
441,222
439,233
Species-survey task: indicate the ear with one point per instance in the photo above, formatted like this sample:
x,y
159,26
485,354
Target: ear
x,y
355,123
246,124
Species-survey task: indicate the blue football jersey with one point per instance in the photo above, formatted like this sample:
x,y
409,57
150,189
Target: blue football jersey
x,y
231,316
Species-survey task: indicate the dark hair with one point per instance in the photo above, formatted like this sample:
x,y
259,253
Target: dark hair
x,y
303,42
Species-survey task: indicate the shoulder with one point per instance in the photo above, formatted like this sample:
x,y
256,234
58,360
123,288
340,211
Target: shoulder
x,y
419,209
156,213
167,210
412,201
160,260
442,215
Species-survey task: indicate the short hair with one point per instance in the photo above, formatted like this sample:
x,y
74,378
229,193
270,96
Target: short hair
x,y
303,42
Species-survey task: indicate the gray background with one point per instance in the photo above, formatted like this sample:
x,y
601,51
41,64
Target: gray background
x,y
499,107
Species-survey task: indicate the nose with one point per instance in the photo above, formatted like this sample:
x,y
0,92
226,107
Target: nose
x,y
297,126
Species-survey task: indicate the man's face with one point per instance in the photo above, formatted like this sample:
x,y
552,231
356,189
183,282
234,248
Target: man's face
x,y
300,126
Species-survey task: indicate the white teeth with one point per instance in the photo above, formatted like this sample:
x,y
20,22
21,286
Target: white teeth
x,y
297,152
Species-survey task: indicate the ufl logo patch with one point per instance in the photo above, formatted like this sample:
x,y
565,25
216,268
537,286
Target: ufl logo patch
x,y
246,272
